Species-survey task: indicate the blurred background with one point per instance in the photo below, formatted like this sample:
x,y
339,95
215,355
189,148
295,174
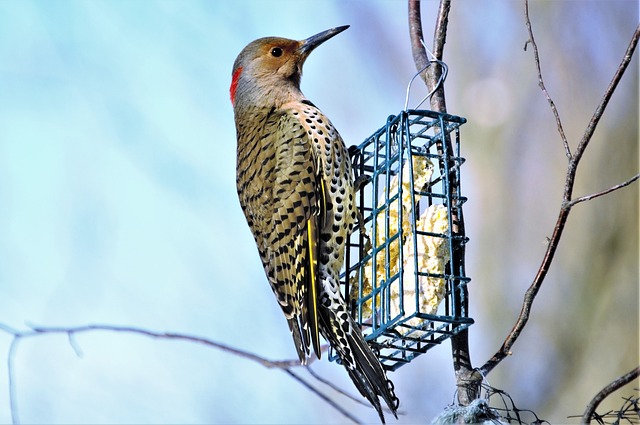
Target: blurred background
x,y
118,202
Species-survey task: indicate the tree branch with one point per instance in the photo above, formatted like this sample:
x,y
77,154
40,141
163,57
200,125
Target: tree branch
x,y
606,391
595,118
467,380
529,296
552,105
13,405
35,331
336,388
602,193
432,74
322,396
70,331
567,203
415,35
438,102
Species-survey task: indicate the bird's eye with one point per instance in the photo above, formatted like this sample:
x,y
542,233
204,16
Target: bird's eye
x,y
276,52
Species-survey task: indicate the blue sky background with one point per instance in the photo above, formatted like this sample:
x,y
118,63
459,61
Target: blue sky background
x,y
118,202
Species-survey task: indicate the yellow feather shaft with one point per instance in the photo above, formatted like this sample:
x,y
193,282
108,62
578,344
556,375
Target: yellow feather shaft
x,y
313,308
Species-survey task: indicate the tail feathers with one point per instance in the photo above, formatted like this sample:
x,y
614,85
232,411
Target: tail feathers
x,y
298,340
361,363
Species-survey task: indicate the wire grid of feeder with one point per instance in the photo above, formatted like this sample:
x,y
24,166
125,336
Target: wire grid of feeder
x,y
398,278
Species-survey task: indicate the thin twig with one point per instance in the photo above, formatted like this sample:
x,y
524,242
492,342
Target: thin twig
x,y
595,118
606,391
532,291
322,396
72,331
335,387
164,335
13,401
532,40
529,296
602,193
345,393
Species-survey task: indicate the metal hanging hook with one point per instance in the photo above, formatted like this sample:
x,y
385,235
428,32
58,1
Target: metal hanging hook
x,y
443,76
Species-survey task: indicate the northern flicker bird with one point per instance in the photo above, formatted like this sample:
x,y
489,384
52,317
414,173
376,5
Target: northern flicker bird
x,y
295,185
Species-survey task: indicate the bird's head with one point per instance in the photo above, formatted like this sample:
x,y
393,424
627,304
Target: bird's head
x,y
267,71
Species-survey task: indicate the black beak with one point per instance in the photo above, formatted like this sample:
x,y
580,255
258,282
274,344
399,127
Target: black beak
x,y
314,41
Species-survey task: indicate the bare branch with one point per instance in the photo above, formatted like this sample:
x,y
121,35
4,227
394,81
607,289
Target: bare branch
x,y
532,291
323,397
595,119
602,193
415,34
164,335
440,31
13,401
606,391
335,387
536,56
438,102
467,380
343,392
529,296
432,74
71,332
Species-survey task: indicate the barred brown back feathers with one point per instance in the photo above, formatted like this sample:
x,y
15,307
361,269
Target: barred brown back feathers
x,y
295,186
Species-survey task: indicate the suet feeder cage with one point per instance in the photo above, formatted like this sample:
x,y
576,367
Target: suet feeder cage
x,y
401,280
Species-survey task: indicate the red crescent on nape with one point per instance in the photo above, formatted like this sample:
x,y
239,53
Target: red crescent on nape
x,y
234,84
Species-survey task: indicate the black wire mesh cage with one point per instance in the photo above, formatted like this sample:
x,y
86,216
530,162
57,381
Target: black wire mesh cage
x,y
399,280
